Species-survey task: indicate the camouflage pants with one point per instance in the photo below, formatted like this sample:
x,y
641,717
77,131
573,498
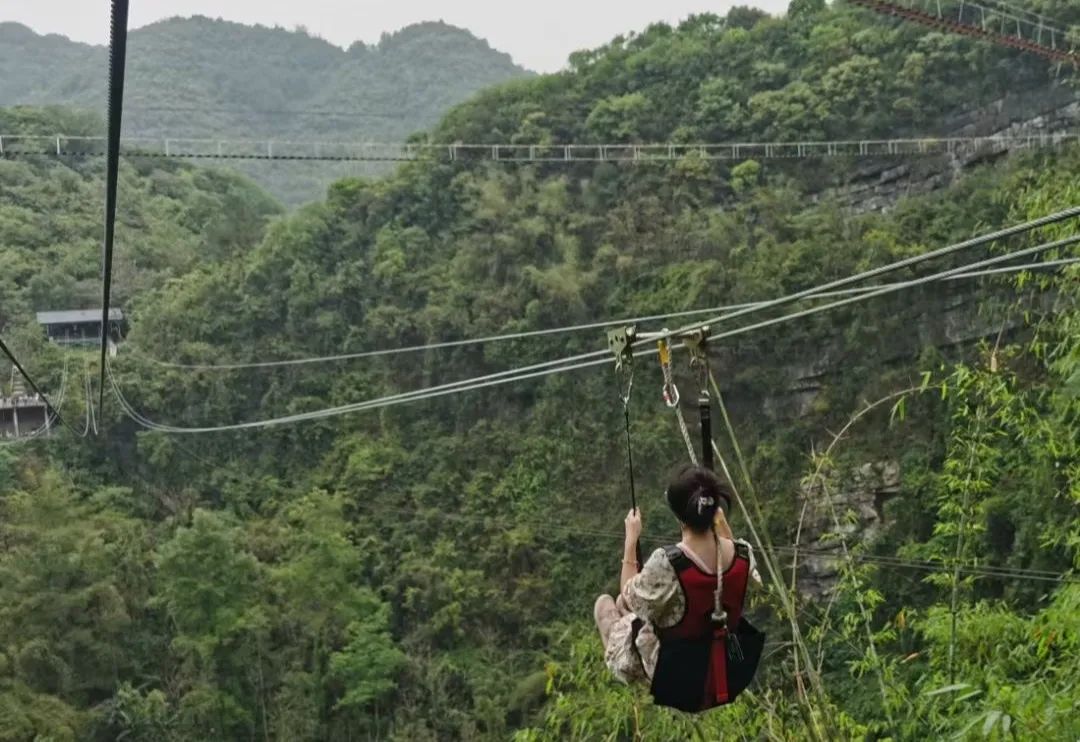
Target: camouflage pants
x,y
628,660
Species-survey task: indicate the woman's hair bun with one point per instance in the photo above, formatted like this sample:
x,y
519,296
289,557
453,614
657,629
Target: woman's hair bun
x,y
695,494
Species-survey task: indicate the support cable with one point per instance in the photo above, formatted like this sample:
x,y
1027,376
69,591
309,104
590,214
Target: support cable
x,y
87,409
573,363
573,328
482,382
1054,218
1035,250
91,415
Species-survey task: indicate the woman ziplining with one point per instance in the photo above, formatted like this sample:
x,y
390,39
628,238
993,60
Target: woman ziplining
x,y
678,621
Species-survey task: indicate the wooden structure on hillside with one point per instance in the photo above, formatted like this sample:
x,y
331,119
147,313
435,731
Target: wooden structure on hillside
x,y
82,326
22,415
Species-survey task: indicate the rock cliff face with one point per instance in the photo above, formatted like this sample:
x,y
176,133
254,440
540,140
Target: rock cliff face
x,y
858,494
949,320
849,507
877,184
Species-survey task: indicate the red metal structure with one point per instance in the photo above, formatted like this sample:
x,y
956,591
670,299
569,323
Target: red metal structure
x,y
942,23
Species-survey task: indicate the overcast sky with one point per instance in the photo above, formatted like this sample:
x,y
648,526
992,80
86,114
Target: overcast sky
x,y
539,35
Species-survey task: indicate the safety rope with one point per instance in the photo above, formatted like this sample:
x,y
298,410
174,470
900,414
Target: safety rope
x,y
765,547
671,396
705,407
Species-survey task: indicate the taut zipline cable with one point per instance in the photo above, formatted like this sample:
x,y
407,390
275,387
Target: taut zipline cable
x,y
570,363
569,328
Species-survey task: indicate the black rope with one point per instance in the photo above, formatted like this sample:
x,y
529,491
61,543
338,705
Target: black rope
x,y
37,390
629,455
117,58
705,409
625,397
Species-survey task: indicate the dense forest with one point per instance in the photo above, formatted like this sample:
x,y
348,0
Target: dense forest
x,y
199,78
426,570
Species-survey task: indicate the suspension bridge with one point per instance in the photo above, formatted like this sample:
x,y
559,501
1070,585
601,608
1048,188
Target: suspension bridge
x,y
12,146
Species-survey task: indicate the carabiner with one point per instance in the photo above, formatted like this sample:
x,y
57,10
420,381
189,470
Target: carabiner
x,y
670,391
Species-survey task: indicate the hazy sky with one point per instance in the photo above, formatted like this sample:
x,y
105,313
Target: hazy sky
x,y
539,34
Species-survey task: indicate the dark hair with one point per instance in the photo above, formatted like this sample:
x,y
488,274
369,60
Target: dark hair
x,y
694,494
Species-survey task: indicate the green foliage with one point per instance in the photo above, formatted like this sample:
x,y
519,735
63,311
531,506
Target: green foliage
x,y
424,571
463,532
821,72
72,582
172,219
142,717
366,666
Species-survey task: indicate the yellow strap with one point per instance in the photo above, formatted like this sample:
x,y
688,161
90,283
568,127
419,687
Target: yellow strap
x,y
665,352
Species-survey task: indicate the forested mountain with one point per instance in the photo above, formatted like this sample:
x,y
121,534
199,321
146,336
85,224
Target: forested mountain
x,y
198,77
426,570
174,218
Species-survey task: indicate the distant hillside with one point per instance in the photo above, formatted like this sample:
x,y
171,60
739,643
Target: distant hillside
x,y
199,77
173,217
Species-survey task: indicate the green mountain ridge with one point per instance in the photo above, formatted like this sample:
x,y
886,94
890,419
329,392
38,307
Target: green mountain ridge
x,y
215,62
425,570
198,77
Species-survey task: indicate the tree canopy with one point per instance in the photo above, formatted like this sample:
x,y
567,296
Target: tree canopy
x,y
426,570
